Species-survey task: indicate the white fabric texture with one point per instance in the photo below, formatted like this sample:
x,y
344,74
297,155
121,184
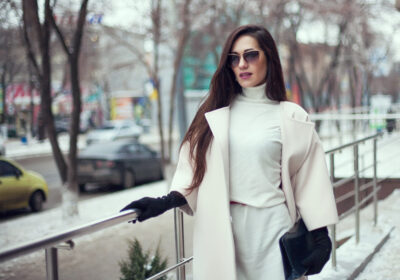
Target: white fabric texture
x,y
256,233
255,149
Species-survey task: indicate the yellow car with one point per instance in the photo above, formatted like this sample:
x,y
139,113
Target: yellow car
x,y
20,188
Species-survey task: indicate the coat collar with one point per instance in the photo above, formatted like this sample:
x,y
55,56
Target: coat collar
x,y
218,121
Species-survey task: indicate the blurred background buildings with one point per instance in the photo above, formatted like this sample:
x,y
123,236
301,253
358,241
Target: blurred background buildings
x,y
335,55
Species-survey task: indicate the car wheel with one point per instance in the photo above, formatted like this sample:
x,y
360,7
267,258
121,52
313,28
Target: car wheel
x,y
36,201
129,180
82,188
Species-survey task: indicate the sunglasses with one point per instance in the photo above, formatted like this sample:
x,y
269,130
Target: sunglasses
x,y
249,57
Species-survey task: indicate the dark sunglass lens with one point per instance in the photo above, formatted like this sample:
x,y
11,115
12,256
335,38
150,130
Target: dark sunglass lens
x,y
234,60
251,56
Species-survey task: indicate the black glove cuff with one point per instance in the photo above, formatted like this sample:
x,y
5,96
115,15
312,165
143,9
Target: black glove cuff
x,y
175,199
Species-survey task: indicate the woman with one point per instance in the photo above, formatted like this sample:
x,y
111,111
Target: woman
x,y
250,165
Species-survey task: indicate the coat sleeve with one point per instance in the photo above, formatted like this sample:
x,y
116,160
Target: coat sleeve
x,y
183,178
313,190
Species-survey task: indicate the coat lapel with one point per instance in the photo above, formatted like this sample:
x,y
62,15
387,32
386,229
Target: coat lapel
x,y
218,120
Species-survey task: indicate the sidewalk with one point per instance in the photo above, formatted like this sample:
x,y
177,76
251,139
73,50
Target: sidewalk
x,y
15,149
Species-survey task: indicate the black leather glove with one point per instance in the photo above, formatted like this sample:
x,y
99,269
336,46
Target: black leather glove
x,y
321,254
151,207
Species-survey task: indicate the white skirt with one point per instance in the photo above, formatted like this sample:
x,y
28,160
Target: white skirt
x,y
256,233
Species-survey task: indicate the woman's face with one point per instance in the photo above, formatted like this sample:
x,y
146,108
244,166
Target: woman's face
x,y
248,62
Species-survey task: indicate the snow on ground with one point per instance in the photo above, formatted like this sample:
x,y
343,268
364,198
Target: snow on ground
x,y
350,255
385,264
35,226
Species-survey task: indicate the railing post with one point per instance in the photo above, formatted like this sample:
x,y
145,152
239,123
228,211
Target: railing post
x,y
51,263
333,228
334,244
179,243
356,193
375,183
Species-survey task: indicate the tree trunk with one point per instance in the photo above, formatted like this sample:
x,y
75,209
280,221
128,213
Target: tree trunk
x,y
70,194
184,36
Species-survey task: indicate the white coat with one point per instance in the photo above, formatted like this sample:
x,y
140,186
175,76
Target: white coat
x,y
305,183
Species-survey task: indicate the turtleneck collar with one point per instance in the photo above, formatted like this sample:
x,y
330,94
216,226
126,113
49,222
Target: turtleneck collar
x,y
255,94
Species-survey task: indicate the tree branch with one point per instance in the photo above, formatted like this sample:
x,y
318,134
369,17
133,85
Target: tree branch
x,y
79,28
59,33
139,56
31,55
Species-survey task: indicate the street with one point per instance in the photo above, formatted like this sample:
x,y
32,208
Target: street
x,y
46,166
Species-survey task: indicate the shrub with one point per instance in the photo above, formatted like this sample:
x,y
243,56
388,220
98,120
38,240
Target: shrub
x,y
140,265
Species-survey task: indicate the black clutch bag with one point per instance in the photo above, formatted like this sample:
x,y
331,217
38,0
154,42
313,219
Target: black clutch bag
x,y
296,245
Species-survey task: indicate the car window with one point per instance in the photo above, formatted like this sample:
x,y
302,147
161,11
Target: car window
x,y
127,125
6,169
133,148
138,149
108,126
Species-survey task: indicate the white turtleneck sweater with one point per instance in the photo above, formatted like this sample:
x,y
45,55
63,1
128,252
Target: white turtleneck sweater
x,y
255,149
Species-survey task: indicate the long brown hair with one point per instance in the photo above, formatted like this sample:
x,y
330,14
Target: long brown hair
x,y
223,90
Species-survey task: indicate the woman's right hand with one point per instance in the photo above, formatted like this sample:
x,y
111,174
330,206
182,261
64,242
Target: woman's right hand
x,y
150,207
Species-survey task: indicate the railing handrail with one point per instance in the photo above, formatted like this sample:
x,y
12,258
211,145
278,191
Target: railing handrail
x,y
67,235
349,116
351,144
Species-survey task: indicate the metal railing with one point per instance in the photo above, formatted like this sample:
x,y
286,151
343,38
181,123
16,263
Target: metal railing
x,y
63,240
357,187
51,244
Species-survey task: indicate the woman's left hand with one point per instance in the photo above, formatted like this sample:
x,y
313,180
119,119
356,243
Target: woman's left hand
x,y
320,256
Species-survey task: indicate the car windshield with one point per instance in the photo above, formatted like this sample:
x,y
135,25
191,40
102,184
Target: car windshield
x,y
109,148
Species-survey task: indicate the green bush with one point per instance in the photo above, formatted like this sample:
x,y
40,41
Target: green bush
x,y
140,265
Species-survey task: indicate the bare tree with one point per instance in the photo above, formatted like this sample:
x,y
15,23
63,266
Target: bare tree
x,y
72,52
314,92
35,31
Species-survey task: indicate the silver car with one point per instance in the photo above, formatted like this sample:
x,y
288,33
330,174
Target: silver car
x,y
114,130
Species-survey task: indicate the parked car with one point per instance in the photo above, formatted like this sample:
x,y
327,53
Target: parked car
x,y
113,130
20,188
119,163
